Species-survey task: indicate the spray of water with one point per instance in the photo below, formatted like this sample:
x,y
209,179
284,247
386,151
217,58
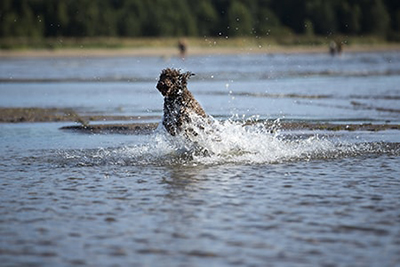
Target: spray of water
x,y
227,142
217,142
231,142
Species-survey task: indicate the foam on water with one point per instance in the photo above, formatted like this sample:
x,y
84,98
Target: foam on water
x,y
227,142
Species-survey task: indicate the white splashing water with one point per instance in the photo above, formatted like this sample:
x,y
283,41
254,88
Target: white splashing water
x,y
230,142
226,142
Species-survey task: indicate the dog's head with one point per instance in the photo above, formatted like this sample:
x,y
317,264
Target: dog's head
x,y
172,81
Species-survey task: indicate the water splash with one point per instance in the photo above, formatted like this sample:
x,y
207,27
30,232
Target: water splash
x,y
227,142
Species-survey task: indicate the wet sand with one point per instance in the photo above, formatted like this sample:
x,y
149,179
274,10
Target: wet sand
x,y
21,115
15,115
147,128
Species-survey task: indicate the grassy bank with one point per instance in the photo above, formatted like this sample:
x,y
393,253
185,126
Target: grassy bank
x,y
119,43
168,46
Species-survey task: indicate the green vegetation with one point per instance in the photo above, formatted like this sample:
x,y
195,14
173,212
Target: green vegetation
x,y
29,22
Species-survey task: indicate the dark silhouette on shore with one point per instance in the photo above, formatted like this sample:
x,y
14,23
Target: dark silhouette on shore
x,y
335,48
182,46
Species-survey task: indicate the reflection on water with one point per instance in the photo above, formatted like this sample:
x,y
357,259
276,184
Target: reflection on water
x,y
257,197
308,200
309,211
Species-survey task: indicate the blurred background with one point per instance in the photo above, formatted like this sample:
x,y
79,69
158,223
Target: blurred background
x,y
112,23
324,191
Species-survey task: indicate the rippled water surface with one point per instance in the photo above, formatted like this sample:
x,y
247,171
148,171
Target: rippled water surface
x,y
250,197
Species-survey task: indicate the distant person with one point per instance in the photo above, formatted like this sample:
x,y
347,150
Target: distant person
x,y
332,48
335,48
182,46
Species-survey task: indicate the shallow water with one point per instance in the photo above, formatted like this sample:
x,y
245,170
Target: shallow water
x,y
256,198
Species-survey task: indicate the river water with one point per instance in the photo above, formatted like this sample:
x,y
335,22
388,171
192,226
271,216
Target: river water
x,y
256,198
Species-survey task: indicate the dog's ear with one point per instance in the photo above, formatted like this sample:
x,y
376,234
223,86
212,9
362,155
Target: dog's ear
x,y
183,77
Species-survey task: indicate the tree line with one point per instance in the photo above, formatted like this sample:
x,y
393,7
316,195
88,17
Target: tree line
x,y
158,18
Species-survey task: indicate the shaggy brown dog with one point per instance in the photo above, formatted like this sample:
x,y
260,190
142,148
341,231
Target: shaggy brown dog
x,y
180,107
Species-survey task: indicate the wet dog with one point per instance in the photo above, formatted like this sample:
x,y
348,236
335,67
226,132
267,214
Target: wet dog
x,y
182,113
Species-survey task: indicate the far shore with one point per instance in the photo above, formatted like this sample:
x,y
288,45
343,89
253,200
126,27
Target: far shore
x,y
170,51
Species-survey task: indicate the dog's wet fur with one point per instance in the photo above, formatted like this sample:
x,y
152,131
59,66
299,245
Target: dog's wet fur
x,y
180,106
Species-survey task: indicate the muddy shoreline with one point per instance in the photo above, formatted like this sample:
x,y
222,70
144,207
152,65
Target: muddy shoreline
x,y
148,128
18,115
96,124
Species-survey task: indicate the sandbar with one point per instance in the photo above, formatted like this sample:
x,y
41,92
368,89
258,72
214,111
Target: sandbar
x,y
95,124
